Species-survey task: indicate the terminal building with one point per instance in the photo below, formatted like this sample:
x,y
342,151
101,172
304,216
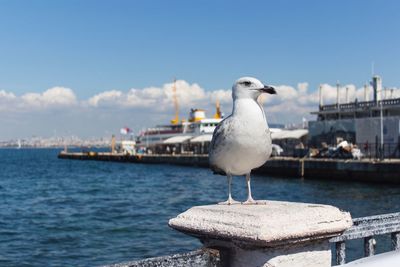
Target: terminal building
x,y
374,126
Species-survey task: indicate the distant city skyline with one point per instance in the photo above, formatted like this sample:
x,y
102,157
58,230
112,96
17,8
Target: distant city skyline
x,y
87,68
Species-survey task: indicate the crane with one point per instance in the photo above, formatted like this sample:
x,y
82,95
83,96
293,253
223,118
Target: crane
x,y
175,120
218,113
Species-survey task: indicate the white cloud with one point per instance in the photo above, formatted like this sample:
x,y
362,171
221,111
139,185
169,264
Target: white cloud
x,y
395,93
224,96
291,103
286,92
105,98
4,96
188,95
7,100
53,97
303,87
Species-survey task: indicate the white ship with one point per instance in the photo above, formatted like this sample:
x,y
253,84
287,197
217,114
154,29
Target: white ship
x,y
198,128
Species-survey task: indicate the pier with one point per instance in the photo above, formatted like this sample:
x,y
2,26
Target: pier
x,y
365,170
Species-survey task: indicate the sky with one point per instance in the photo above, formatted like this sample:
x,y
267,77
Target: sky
x,y
88,68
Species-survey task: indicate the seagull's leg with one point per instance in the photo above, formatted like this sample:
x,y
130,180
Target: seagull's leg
x,y
250,200
230,200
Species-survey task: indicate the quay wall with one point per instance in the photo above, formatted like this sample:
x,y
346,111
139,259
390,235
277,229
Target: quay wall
x,y
365,170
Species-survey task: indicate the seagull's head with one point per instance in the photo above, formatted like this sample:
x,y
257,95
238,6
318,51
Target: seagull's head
x,y
249,87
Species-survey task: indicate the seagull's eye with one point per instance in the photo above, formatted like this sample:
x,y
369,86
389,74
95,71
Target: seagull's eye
x,y
247,83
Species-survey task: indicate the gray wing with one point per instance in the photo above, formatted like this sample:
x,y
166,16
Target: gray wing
x,y
219,133
218,137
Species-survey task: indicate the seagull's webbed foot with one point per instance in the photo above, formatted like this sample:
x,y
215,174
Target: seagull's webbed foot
x,y
230,201
250,201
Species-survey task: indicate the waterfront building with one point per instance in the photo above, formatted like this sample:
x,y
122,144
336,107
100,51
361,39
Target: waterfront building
x,y
373,125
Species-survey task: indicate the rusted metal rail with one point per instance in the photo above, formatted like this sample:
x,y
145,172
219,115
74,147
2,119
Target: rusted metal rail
x,y
367,228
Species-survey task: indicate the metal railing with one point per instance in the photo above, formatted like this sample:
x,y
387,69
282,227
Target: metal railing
x,y
389,150
360,105
374,150
367,228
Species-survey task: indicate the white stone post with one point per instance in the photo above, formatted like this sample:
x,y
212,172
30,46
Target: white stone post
x,y
278,234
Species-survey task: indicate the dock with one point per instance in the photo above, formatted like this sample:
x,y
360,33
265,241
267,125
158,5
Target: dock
x,y
365,170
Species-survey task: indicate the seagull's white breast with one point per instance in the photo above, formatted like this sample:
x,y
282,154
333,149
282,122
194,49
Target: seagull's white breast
x,y
243,140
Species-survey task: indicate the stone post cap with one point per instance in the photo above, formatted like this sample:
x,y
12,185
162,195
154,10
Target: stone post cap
x,y
273,224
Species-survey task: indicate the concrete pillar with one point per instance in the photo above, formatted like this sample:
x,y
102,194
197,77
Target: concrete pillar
x,y
279,234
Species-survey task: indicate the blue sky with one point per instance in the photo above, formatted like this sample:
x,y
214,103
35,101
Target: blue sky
x,y
98,46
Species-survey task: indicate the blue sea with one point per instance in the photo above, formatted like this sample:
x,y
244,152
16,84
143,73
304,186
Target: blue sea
x,y
56,212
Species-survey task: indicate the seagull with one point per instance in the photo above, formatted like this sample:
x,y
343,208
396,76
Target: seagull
x,y
242,141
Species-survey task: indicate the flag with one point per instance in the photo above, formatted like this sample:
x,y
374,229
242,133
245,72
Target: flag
x,y
125,130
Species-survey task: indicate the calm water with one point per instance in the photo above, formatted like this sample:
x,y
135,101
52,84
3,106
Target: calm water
x,y
84,213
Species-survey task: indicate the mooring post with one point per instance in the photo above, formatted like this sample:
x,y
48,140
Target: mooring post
x,y
279,234
301,168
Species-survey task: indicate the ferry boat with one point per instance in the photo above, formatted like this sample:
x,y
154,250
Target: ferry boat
x,y
197,126
179,131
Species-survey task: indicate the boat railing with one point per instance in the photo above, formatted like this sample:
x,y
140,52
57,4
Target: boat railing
x,y
367,228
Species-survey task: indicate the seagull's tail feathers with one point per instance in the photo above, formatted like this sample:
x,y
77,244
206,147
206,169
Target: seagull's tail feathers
x,y
217,170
